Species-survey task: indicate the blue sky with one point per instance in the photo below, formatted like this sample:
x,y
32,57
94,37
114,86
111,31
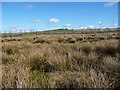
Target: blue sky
x,y
27,16
60,0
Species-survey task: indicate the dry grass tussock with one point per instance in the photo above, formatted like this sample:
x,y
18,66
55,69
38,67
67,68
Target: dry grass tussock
x,y
55,65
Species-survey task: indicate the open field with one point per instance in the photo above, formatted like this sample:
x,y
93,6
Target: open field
x,y
61,61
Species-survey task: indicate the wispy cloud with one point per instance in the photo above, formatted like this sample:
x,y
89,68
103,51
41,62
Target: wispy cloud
x,y
76,26
29,6
67,25
53,20
110,4
14,28
36,21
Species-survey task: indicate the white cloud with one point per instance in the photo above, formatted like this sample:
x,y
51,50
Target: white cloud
x,y
115,24
35,21
53,20
110,4
100,22
67,25
83,27
91,26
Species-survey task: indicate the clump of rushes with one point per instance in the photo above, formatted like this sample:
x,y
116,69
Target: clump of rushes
x,y
87,48
60,40
71,41
39,41
7,59
111,63
79,39
107,49
38,62
68,39
11,48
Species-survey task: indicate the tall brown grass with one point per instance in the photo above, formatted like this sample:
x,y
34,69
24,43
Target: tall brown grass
x,y
36,64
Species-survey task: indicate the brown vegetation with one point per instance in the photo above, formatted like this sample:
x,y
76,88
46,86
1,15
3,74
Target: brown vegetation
x,y
60,61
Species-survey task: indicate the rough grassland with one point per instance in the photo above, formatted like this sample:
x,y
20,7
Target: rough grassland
x,y
61,61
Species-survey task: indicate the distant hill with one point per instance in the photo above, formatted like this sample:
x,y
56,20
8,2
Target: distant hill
x,y
63,31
